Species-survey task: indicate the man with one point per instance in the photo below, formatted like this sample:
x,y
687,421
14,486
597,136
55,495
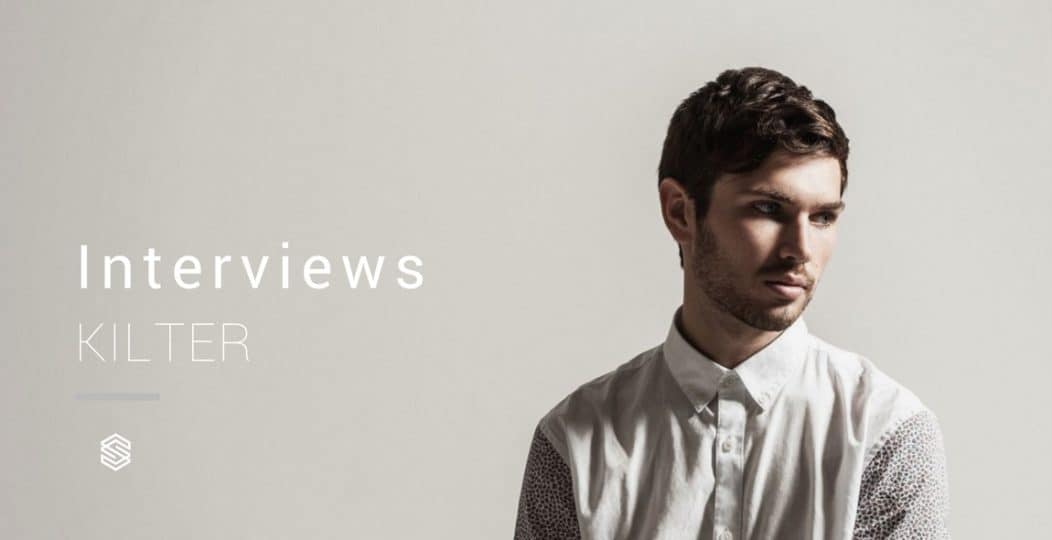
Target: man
x,y
742,424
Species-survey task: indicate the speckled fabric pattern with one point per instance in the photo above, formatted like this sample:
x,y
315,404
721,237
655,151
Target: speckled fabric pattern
x,y
905,492
546,504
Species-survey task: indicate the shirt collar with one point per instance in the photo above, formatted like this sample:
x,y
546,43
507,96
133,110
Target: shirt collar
x,y
763,374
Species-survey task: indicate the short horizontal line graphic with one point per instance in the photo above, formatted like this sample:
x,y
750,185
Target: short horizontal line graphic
x,y
119,396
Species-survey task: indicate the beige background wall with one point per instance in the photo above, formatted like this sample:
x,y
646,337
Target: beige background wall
x,y
512,146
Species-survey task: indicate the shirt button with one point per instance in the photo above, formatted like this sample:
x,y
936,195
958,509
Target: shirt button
x,y
727,446
726,535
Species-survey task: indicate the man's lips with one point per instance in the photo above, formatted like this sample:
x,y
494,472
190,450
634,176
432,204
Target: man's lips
x,y
791,281
790,292
788,288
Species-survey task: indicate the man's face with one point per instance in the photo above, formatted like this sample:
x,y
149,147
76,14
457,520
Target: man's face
x,y
761,248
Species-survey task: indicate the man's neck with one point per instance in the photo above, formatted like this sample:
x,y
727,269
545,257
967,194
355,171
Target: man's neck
x,y
719,335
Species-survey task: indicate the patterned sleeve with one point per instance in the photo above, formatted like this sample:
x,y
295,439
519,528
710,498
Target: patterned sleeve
x,y
905,492
546,504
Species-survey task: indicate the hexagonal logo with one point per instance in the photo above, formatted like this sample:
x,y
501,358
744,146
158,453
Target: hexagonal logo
x,y
115,452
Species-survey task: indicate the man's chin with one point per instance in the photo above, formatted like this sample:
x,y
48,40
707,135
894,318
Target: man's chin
x,y
775,318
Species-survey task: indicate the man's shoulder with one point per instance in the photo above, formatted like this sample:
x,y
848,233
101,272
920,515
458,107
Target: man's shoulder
x,y
603,398
855,372
878,401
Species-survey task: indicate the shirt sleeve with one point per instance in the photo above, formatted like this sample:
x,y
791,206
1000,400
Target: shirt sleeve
x,y
905,491
546,503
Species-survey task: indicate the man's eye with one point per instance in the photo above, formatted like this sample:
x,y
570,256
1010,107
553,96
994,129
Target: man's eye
x,y
827,218
766,207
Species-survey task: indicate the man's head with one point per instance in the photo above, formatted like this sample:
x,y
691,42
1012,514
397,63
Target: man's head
x,y
751,179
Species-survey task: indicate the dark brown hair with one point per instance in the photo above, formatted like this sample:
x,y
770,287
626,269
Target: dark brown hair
x,y
732,124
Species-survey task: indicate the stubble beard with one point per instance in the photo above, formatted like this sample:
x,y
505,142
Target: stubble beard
x,y
713,274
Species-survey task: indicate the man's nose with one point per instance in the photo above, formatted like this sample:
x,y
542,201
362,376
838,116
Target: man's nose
x,y
796,241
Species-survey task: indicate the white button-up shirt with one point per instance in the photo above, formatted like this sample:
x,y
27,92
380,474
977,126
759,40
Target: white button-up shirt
x,y
801,440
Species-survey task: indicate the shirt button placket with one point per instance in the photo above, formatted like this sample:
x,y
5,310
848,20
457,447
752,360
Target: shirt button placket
x,y
730,434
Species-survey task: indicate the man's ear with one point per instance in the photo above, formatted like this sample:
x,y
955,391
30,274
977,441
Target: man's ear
x,y
677,209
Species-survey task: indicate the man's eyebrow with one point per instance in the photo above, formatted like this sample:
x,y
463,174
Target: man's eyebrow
x,y
782,197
